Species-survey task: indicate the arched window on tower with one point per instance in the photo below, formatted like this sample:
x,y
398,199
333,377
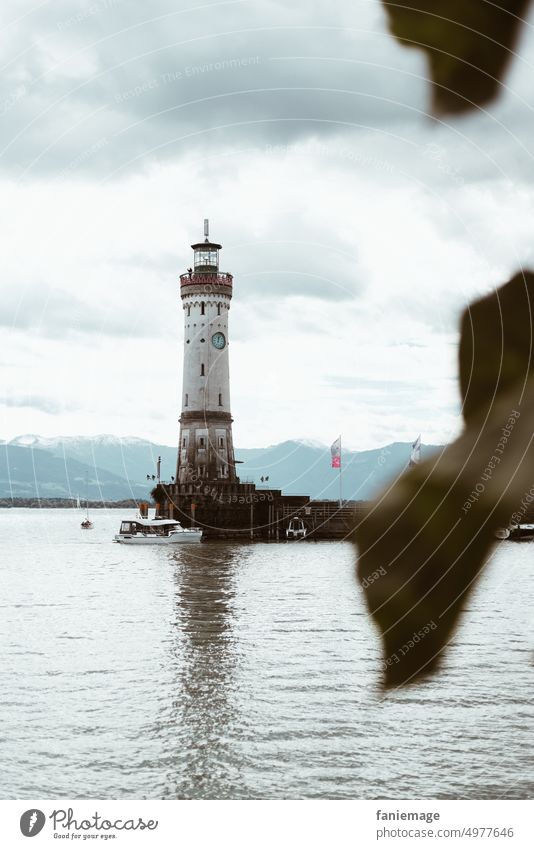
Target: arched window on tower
x,y
202,369
202,308
220,399
218,309
186,400
188,311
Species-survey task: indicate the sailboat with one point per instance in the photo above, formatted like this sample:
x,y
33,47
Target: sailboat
x,y
86,524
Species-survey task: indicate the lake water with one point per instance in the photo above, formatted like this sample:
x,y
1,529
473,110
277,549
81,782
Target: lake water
x,y
244,671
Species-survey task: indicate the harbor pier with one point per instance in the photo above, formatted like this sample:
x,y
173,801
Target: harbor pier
x,y
242,511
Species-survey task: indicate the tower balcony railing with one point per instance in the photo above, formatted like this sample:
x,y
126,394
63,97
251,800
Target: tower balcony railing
x,y
206,279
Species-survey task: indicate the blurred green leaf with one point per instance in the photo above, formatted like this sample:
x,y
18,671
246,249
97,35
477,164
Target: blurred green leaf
x,y
428,535
469,44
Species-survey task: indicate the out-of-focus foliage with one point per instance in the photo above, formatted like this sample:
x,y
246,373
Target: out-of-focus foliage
x,y
425,540
468,43
496,347
427,537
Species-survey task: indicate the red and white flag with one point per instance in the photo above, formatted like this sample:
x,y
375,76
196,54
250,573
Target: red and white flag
x,y
335,451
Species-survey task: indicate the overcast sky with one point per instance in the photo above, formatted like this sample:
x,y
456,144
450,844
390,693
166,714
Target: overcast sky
x,y
356,226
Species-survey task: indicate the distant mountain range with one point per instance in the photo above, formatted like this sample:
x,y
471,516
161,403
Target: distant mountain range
x,y
117,468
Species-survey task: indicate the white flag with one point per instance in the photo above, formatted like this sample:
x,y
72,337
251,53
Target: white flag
x,y
415,456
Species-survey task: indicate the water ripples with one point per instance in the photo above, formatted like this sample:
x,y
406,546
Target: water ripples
x,y
241,671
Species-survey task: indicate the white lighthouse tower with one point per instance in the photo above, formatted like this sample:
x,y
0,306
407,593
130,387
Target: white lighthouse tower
x,y
206,451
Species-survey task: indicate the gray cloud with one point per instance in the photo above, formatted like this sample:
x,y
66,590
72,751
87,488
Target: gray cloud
x,y
125,88
308,268
304,132
341,381
108,87
57,314
44,403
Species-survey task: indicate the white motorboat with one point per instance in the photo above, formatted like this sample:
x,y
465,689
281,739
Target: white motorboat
x,y
156,532
296,529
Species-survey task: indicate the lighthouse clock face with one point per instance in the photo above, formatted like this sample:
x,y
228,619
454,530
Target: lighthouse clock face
x,y
218,341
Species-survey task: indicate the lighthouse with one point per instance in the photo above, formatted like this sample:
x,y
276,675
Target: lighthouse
x,y
206,451
206,491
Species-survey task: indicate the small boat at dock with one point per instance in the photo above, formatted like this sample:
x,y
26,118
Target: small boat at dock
x,y
521,532
296,529
156,532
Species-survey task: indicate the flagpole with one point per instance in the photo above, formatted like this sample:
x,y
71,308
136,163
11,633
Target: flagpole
x,y
340,484
335,451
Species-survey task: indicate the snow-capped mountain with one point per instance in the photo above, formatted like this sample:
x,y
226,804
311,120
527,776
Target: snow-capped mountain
x,y
117,467
128,457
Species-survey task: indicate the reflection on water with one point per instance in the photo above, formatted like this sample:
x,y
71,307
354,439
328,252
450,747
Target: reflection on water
x,y
244,671
205,658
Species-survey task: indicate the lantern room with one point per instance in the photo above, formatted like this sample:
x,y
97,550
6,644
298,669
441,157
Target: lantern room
x,y
206,253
